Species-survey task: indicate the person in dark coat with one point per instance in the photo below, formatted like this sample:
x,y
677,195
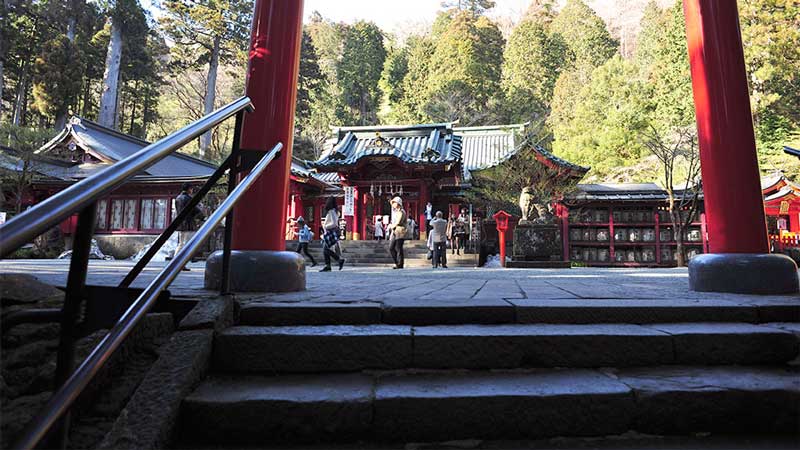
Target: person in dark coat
x,y
188,227
330,236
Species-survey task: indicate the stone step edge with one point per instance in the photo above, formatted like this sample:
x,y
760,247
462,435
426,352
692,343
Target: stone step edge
x,y
367,312
300,349
450,405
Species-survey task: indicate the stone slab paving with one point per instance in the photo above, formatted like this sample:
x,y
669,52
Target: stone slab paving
x,y
495,289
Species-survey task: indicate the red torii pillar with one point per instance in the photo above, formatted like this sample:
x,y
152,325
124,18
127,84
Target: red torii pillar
x,y
258,262
737,232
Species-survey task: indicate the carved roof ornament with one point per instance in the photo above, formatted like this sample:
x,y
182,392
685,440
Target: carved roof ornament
x,y
380,142
337,156
431,154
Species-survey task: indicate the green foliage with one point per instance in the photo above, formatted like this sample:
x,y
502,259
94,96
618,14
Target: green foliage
x,y
585,33
590,45
308,82
532,62
771,29
194,25
670,76
610,111
394,71
359,71
410,107
465,70
57,77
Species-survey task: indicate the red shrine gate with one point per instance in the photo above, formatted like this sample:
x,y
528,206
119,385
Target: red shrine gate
x,y
724,124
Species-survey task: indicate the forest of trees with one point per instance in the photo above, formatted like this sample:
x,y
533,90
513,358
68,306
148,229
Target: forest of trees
x,y
559,66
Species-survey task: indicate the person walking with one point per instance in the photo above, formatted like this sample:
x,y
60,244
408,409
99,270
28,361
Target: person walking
x,y
463,221
399,230
379,232
304,236
330,225
412,228
439,239
188,228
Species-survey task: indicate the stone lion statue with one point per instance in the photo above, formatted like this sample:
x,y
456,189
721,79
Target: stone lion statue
x,y
527,205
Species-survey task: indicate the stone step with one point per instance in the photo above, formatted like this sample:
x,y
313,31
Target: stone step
x,y
343,348
447,406
513,310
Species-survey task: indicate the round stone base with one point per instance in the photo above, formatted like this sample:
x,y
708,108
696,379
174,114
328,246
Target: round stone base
x,y
258,271
743,273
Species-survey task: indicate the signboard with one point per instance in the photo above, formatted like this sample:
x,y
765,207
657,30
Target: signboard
x,y
2,218
784,207
349,201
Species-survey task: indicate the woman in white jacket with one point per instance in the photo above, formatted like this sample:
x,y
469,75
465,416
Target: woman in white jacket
x,y
330,225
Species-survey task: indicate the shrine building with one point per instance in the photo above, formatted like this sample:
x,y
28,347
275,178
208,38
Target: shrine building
x,y
420,163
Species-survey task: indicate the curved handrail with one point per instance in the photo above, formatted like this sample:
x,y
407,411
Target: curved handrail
x,y
60,402
26,226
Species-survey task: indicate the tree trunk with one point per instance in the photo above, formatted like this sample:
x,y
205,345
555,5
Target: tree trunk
x,y
71,29
21,99
61,121
2,83
211,92
133,109
61,118
680,256
87,92
108,100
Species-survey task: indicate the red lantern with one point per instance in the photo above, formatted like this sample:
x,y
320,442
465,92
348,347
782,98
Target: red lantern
x,y
501,218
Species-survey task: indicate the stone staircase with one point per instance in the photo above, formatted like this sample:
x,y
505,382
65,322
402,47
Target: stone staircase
x,y
361,253
305,372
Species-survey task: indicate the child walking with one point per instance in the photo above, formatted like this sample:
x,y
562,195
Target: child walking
x,y
304,236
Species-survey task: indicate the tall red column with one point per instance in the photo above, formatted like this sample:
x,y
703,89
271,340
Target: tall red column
x,y
259,222
357,212
424,198
731,184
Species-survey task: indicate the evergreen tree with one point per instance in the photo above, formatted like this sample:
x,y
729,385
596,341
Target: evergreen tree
x,y
465,70
590,45
126,18
57,78
670,75
208,33
395,70
359,71
585,33
409,108
532,62
610,112
308,82
771,30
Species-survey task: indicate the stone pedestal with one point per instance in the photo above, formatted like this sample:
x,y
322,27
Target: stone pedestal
x,y
538,246
258,271
743,273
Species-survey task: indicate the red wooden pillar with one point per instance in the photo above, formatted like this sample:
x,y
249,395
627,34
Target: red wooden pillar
x,y
357,211
274,57
734,209
297,205
422,220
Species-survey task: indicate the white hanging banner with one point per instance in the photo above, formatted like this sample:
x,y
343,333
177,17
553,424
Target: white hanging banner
x,y
349,201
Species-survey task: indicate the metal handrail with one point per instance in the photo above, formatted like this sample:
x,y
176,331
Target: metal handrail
x,y
24,227
61,401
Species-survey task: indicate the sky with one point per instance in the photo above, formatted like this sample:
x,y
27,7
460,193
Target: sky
x,y
391,14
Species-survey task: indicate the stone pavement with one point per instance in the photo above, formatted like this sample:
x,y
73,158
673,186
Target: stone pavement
x,y
469,286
